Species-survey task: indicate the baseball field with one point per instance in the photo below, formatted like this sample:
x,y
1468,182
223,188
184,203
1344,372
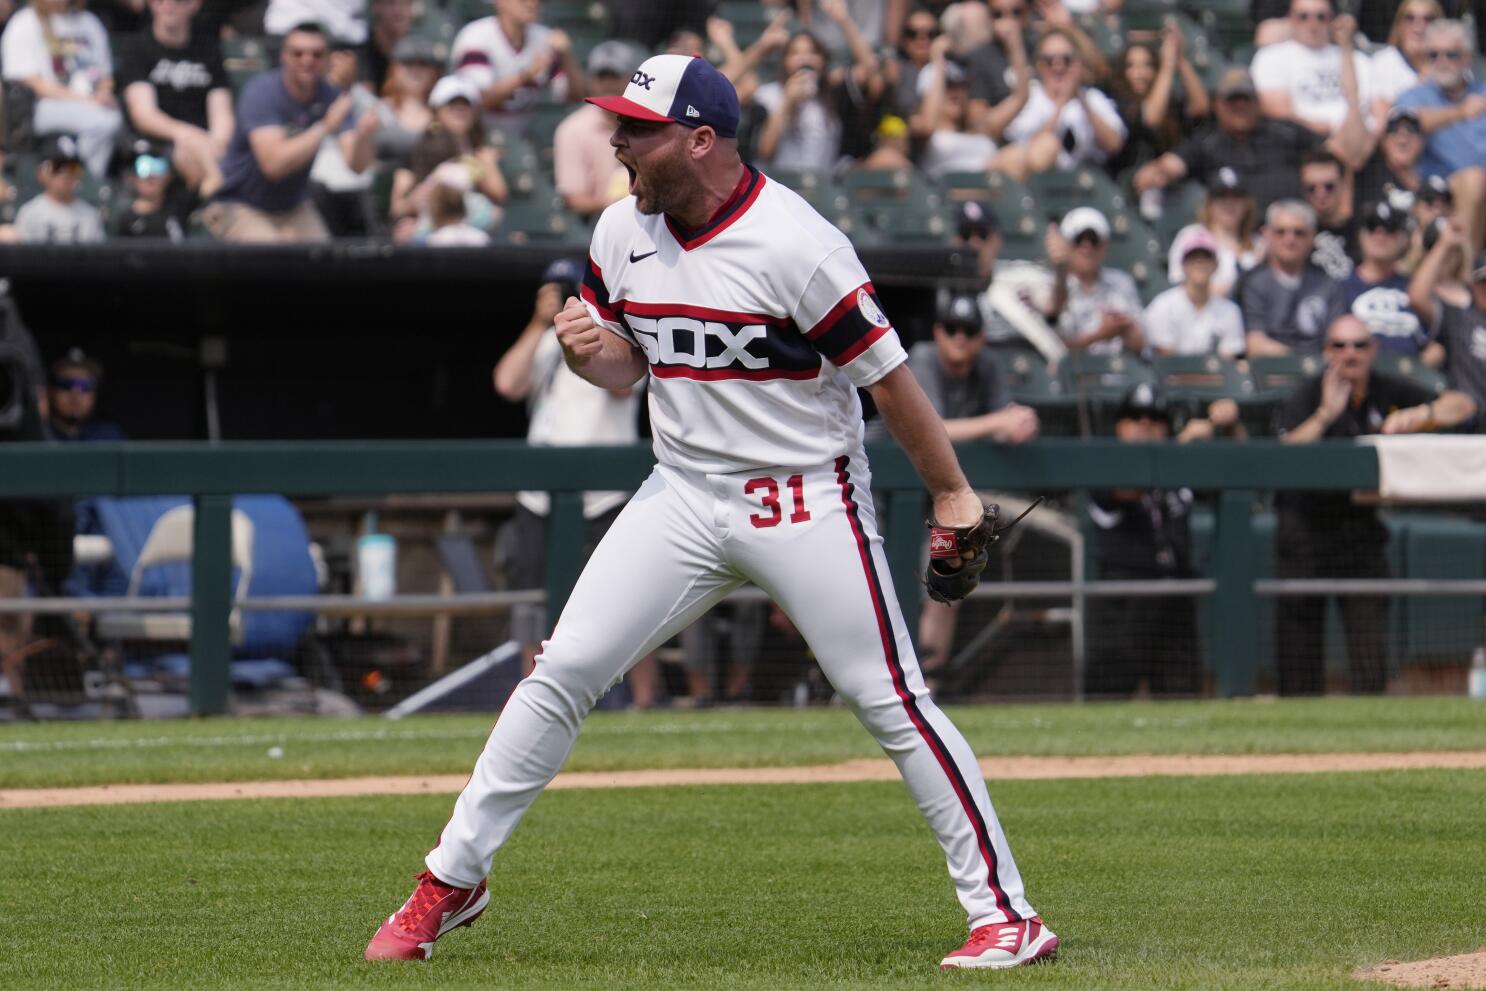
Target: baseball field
x,y
1179,845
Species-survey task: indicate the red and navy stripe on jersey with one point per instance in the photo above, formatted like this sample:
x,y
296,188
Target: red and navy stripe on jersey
x,y
845,331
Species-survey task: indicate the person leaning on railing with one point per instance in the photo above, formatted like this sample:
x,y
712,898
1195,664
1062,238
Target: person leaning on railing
x,y
1325,535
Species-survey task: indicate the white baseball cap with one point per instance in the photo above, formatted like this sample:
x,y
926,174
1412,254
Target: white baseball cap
x,y
452,88
1081,219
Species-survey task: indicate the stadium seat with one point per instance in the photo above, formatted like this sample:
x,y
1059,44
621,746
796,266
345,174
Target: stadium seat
x,y
1178,209
1195,380
1146,15
993,187
1058,190
243,58
1408,367
537,213
437,25
1102,376
576,14
898,203
1275,377
541,125
1030,383
815,188
1134,248
1023,234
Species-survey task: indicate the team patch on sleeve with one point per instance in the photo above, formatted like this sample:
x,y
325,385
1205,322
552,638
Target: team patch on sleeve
x,y
852,326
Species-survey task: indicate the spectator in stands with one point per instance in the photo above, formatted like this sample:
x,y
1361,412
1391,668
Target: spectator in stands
x,y
869,17
282,117
1229,214
978,230
61,53
1265,152
1190,318
343,20
952,146
1288,303
650,22
1396,68
72,399
1377,292
1391,175
456,139
446,213
1326,186
563,410
1145,91
588,177
1000,74
1452,113
1313,78
1326,535
1096,308
1143,535
404,108
1065,123
513,60
56,215
967,387
1458,327
391,22
151,211
916,46
1433,201
341,194
810,110
176,90
739,65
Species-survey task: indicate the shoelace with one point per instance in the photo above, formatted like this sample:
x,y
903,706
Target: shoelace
x,y
430,892
987,934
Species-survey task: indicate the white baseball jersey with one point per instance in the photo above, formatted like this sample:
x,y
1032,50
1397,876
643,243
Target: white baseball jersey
x,y
758,327
484,55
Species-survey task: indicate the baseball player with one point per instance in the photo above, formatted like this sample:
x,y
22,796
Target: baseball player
x,y
756,323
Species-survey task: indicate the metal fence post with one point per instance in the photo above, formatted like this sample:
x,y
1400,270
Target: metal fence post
x,y
566,534
1234,645
905,544
211,604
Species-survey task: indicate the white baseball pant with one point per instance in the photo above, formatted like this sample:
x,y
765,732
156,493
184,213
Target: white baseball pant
x,y
807,537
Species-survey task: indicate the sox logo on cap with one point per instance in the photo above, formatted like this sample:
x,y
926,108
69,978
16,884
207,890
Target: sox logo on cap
x,y
678,89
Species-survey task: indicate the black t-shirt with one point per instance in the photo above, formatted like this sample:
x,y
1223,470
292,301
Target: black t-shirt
x,y
1336,250
1376,183
1462,332
1148,538
181,76
1385,394
161,224
1268,160
987,67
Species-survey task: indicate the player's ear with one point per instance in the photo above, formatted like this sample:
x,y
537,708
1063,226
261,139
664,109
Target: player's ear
x,y
703,139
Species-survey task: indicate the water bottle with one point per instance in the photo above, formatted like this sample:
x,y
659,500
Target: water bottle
x,y
1477,686
376,562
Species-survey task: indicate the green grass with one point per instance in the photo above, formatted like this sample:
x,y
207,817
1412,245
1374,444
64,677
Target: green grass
x,y
1173,883
57,754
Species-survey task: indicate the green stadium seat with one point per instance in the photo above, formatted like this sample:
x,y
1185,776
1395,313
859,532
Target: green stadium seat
x,y
1146,15
1102,376
465,11
1030,383
988,187
541,125
898,203
1057,191
575,14
437,25
540,216
243,58
1023,234
1407,367
816,188
1275,377
1179,208
1194,381
1134,248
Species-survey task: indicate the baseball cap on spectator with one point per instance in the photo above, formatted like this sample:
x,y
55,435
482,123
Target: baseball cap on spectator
x,y
417,51
959,309
76,358
1435,189
1144,400
1226,180
1082,220
613,57
954,75
677,89
976,220
59,148
1403,117
1383,215
452,88
1195,240
566,271
1236,81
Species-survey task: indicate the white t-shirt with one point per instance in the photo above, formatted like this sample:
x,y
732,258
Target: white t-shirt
x,y
460,235
43,220
955,151
565,410
345,20
1174,323
484,55
1073,125
812,141
1389,74
1312,77
758,327
82,59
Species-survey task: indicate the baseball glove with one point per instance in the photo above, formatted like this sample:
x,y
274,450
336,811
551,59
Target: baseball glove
x,y
949,581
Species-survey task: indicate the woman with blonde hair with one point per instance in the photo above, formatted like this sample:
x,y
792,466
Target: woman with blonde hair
x,y
403,108
1398,67
60,52
1066,122
1230,215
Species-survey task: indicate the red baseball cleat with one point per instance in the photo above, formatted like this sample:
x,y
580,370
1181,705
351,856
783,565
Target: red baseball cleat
x,y
1004,944
433,909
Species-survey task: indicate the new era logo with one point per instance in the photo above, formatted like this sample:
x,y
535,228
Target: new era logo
x,y
692,111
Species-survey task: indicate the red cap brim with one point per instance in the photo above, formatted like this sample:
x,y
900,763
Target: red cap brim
x,y
628,108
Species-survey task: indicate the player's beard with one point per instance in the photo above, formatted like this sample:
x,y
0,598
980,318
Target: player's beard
x,y
664,186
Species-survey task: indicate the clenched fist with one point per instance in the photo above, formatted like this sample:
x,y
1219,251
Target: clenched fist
x,y
579,336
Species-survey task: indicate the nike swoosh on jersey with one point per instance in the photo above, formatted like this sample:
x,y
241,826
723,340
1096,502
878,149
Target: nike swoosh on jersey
x,y
639,258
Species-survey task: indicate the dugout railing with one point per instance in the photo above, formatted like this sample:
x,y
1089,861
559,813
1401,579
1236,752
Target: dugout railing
x,y
211,474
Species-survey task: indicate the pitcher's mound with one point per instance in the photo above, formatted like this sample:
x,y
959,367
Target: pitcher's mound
x,y
1468,970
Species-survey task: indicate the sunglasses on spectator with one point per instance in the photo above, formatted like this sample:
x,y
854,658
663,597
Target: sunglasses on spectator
x,y
1004,12
1312,15
1374,226
1349,345
1404,124
1290,231
1055,61
1419,18
150,166
1087,238
67,383
1439,55
961,330
1320,187
912,32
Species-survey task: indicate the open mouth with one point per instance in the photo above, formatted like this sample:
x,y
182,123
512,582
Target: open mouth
x,y
633,176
